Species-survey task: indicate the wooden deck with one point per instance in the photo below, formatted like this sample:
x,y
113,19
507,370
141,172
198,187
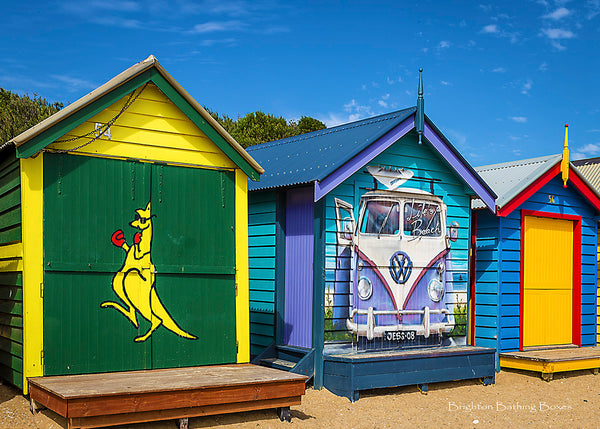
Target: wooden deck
x,y
346,374
550,361
94,400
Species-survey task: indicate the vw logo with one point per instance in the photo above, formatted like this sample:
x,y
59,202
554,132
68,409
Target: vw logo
x,y
400,267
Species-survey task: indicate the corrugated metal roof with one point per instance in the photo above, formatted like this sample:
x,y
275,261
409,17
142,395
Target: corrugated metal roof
x,y
314,156
118,80
508,179
590,169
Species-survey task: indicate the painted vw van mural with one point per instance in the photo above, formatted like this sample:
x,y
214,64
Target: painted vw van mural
x,y
400,263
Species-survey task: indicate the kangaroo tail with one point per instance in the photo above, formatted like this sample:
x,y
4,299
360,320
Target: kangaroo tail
x,y
161,312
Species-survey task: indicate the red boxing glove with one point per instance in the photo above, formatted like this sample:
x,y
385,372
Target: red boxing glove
x,y
117,238
137,237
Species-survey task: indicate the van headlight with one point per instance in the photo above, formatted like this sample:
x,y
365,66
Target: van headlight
x,y
365,288
435,290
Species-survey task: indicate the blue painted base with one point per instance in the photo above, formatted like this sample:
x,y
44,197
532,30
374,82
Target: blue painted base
x,y
348,374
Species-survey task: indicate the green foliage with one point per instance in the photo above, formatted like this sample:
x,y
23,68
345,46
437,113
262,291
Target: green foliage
x,y
21,112
330,333
259,127
460,321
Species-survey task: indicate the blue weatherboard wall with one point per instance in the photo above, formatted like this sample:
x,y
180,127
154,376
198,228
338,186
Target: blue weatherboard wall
x,y
498,267
425,163
262,227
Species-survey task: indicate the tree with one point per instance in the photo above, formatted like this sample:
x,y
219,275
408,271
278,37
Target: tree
x,y
21,112
306,124
259,127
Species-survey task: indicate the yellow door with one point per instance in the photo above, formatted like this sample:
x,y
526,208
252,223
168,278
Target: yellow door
x,y
548,282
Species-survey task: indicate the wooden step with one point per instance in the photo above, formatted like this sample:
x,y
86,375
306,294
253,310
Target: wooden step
x,y
278,363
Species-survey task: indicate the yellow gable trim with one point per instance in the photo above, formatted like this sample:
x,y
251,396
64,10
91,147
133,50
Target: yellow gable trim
x,y
152,128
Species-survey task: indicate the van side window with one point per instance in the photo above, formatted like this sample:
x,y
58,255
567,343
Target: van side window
x,y
422,219
381,217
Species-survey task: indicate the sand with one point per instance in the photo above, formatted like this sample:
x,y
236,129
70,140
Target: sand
x,y
518,399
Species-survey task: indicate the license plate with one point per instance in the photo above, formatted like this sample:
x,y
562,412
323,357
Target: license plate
x,y
401,336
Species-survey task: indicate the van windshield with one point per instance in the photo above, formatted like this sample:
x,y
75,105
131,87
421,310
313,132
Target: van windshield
x,y
422,219
381,217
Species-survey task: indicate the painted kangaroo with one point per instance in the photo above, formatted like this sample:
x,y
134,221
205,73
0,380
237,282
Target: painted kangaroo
x,y
135,284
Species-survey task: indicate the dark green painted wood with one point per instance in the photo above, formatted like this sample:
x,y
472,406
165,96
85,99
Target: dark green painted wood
x,y
318,334
11,279
12,376
10,235
11,347
12,333
8,160
280,266
193,249
10,178
15,320
37,143
85,200
11,218
194,224
199,121
14,308
10,199
8,292
11,361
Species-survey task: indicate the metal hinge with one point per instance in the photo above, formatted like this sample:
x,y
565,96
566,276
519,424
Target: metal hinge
x,y
237,346
41,290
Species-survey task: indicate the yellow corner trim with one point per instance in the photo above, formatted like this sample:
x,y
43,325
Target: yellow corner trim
x,y
32,199
242,299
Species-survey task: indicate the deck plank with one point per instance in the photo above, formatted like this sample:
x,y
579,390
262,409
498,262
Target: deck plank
x,y
161,380
556,355
92,400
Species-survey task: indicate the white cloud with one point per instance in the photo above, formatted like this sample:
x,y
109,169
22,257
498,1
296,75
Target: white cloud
x,y
559,13
557,33
385,97
444,44
210,27
357,110
543,67
590,149
382,103
519,119
593,7
493,29
499,70
73,84
526,87
443,82
490,29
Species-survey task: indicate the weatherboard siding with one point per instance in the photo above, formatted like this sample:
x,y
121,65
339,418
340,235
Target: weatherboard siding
x,y
487,276
11,271
262,226
499,274
425,162
151,128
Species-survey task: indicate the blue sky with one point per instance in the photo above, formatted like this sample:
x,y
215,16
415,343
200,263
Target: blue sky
x,y
501,78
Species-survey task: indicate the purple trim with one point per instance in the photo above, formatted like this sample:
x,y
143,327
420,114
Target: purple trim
x,y
299,250
360,160
460,168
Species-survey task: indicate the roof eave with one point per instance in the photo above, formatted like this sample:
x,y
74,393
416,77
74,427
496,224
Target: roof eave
x,y
122,78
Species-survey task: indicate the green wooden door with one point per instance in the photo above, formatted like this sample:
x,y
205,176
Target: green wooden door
x,y
183,286
193,249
